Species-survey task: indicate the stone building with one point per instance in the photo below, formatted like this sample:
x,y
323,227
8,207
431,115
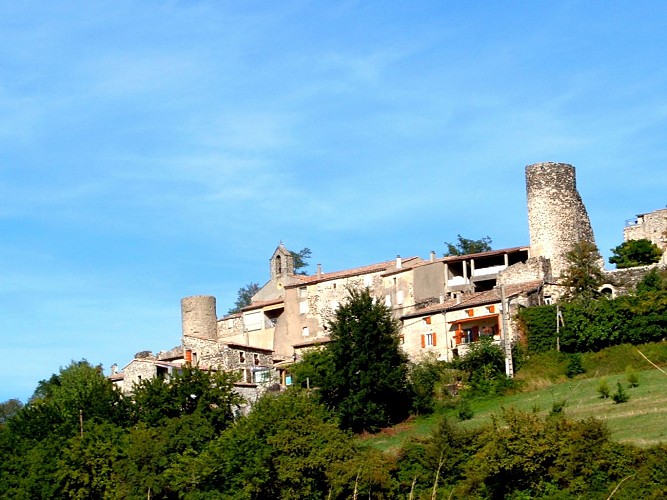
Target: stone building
x,y
651,226
442,304
447,329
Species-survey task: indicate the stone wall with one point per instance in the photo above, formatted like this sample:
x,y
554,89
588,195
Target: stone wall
x,y
230,329
557,217
137,370
622,281
535,268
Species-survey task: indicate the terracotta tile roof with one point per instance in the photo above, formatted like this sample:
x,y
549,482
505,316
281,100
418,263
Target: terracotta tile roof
x,y
230,316
263,303
246,347
389,265
315,341
477,299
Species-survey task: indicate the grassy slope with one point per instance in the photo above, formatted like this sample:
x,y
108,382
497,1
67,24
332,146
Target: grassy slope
x,y
641,421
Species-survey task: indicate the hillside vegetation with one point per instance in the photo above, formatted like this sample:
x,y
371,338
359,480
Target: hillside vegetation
x,y
542,383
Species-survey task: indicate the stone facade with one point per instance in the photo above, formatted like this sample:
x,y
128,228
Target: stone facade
x,y
651,226
447,329
311,304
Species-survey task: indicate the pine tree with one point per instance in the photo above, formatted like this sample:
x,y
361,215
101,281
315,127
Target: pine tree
x,y
367,384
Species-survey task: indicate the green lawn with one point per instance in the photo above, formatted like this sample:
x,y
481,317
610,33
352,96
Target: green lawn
x,y
641,421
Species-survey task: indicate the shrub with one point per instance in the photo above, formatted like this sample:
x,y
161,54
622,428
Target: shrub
x,y
620,396
631,375
574,366
557,407
465,411
424,378
603,388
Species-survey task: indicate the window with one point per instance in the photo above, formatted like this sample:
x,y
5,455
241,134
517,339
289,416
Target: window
x,y
256,358
399,297
428,339
387,300
305,332
253,320
194,358
470,335
303,307
241,357
262,376
279,265
303,292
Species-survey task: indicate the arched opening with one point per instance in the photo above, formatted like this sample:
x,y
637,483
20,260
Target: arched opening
x,y
279,265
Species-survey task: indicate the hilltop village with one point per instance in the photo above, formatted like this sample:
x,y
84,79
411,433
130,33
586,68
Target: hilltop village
x,y
443,304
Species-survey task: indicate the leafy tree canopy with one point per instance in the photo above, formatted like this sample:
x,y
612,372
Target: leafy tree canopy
x,y
653,281
366,383
8,409
244,297
301,260
465,246
583,277
633,253
192,391
79,392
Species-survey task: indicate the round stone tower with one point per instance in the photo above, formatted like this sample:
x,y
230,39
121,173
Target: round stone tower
x,y
199,317
557,217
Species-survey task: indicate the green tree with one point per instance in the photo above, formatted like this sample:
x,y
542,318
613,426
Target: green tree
x,y
244,297
633,253
484,366
300,260
8,409
78,394
367,385
653,281
583,277
425,377
313,369
284,448
192,391
465,246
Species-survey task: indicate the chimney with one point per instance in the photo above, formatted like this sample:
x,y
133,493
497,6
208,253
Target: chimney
x,y
442,299
432,255
399,262
114,367
319,270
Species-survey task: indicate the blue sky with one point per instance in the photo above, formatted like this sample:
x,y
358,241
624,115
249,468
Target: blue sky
x,y
155,150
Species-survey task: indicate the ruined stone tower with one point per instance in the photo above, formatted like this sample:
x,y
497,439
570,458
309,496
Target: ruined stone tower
x,y
557,217
198,316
